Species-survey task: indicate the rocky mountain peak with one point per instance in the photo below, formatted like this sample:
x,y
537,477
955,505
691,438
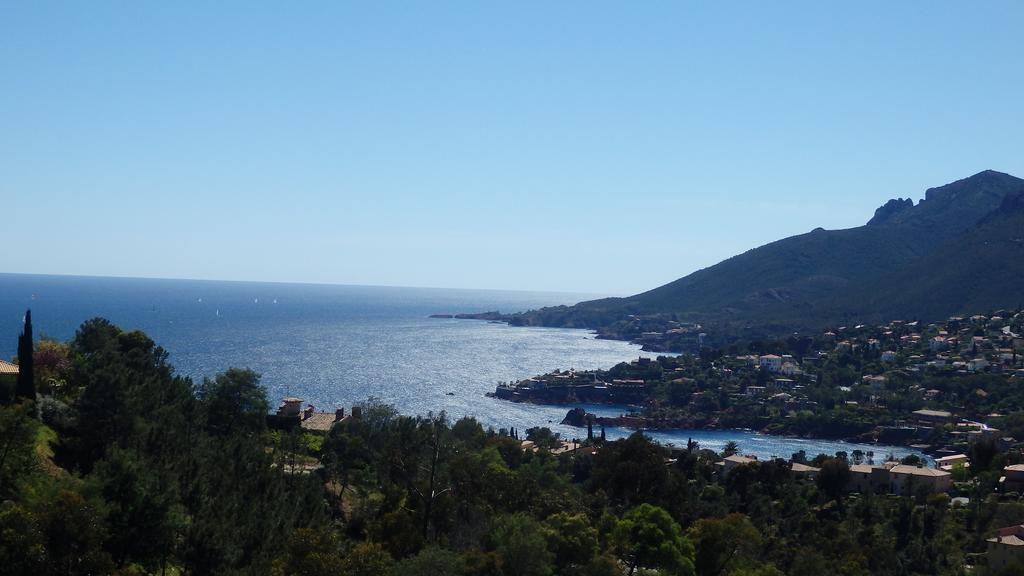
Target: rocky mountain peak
x,y
886,211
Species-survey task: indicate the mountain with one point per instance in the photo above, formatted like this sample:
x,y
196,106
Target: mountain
x,y
980,270
958,250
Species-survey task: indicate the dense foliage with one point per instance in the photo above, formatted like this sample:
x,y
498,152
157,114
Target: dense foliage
x,y
146,472
122,466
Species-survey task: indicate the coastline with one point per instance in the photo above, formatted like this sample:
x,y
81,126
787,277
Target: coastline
x,y
887,385
766,443
636,421
668,337
661,432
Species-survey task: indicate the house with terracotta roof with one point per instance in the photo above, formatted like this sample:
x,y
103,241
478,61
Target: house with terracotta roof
x,y
804,471
730,462
932,418
308,419
8,380
866,478
1005,548
8,369
905,479
1012,479
900,479
947,462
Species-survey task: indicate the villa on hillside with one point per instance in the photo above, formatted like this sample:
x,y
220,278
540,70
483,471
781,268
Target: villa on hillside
x,y
291,410
730,462
947,462
932,418
804,471
904,479
770,362
1012,479
1005,548
899,479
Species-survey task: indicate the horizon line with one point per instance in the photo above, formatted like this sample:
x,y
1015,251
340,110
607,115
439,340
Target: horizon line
x,y
303,283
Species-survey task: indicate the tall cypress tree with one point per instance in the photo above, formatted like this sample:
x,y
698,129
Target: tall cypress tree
x,y
26,387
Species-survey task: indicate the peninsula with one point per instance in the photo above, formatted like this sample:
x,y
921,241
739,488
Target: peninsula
x,y
958,251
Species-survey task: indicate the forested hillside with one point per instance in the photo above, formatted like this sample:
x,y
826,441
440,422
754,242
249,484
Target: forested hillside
x,y
119,466
952,252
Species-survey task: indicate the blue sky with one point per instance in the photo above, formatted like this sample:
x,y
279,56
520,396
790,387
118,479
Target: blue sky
x,y
574,146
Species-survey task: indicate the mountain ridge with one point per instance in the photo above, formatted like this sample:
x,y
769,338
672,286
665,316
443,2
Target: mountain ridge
x,y
810,280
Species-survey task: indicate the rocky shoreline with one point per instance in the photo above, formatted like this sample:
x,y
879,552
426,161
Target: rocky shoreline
x,y
579,418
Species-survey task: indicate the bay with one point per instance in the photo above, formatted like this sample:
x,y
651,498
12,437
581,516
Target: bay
x,y
337,345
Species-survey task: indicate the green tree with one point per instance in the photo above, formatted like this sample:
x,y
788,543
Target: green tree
x,y
143,515
241,508
603,565
469,432
572,539
982,453
833,478
22,549
432,561
724,544
368,559
522,548
311,552
234,402
809,562
74,531
632,471
26,384
130,399
434,483
18,458
95,335
543,437
346,457
52,363
647,537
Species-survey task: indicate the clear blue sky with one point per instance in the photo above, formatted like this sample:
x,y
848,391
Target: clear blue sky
x,y
578,146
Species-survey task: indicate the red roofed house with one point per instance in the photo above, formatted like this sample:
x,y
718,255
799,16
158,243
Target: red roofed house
x,y
1005,548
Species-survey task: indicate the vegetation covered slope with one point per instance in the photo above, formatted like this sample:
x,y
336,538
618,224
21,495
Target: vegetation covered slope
x,y
981,269
948,240
119,466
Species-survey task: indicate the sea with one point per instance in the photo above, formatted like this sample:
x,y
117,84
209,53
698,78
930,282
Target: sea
x,y
340,345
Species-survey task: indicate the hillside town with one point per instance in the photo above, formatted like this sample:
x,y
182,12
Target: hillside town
x,y
938,387
951,389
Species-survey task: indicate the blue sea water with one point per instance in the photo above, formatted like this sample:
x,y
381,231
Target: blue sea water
x,y
338,345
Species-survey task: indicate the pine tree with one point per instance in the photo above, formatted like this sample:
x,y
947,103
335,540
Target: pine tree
x,y
26,386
